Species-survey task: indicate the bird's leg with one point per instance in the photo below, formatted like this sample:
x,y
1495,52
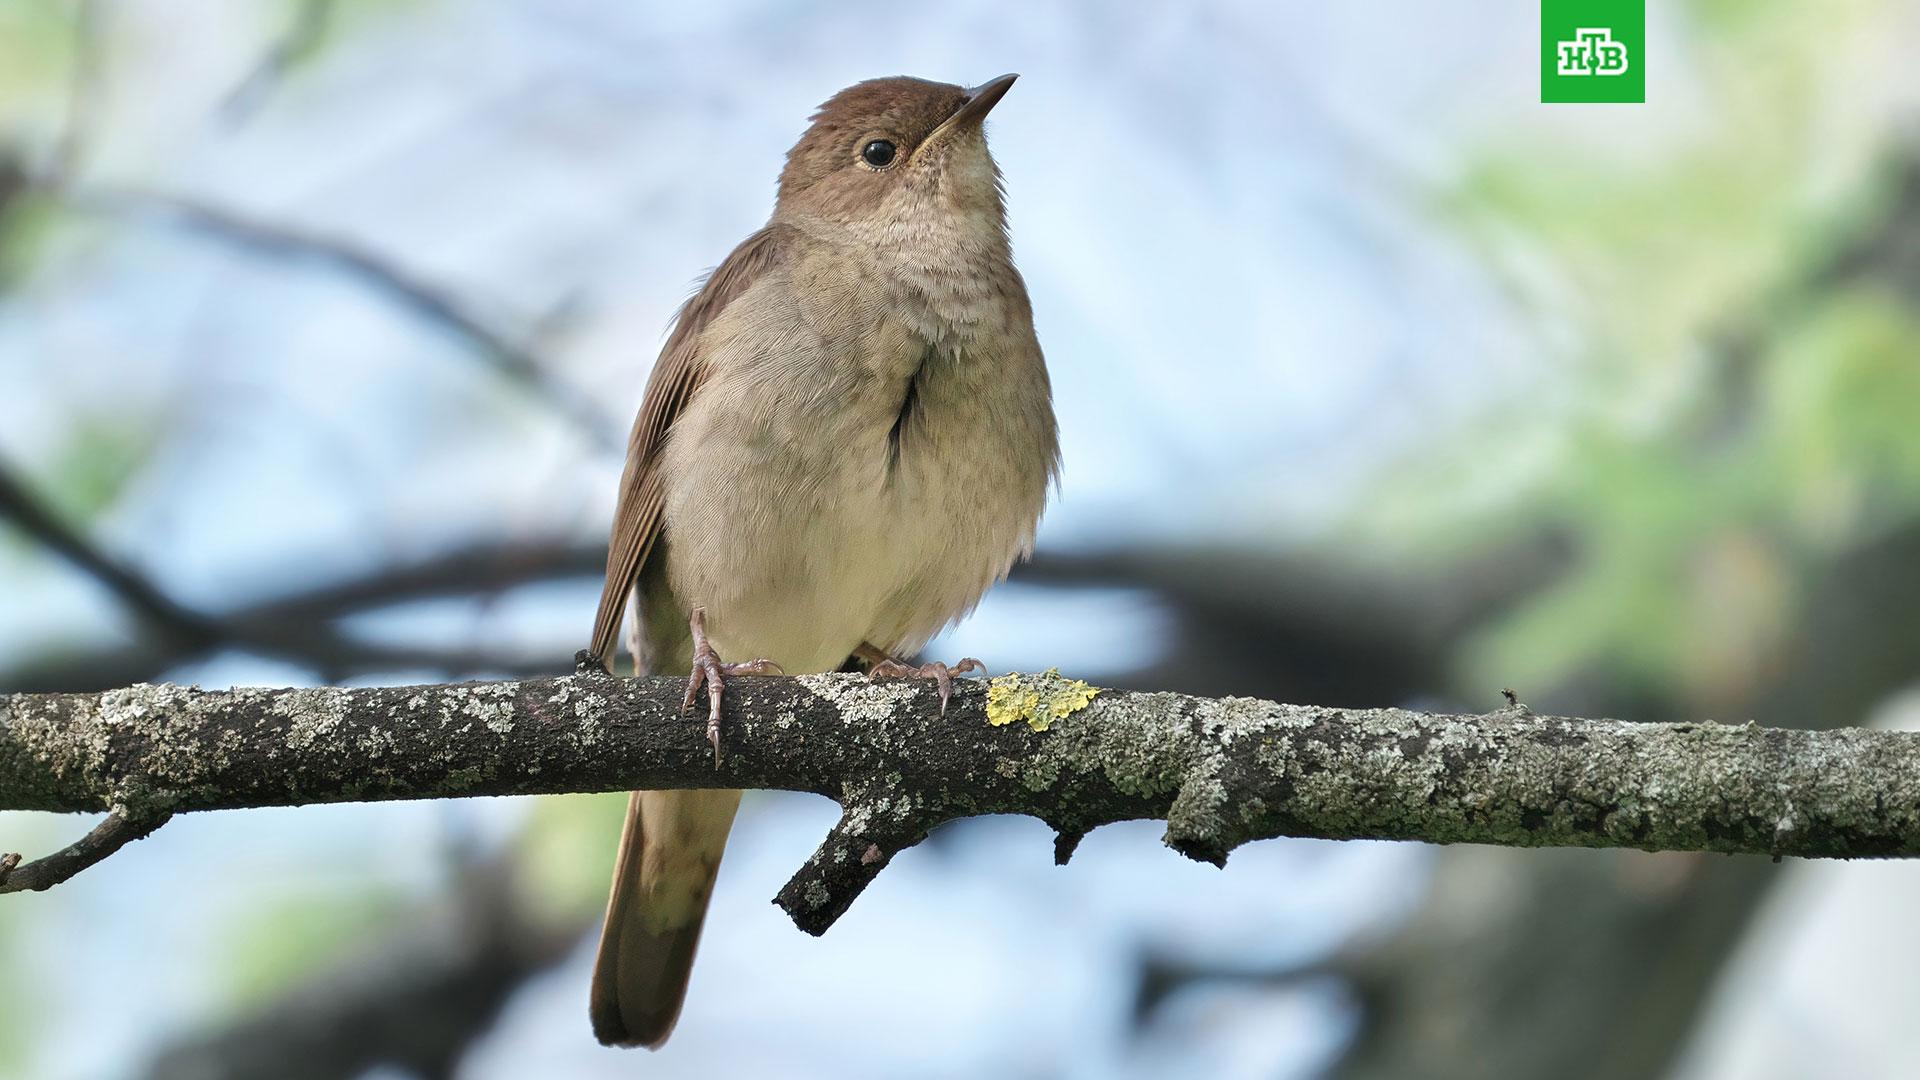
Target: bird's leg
x,y
708,669
884,666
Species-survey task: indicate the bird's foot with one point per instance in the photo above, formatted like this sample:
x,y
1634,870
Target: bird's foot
x,y
886,667
709,670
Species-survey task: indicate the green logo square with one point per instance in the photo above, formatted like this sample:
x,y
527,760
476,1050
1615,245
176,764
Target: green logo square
x,y
1593,50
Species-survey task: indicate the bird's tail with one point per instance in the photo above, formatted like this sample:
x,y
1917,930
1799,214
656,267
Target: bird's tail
x,y
662,880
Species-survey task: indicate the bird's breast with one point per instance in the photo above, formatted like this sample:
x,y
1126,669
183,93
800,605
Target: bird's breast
x,y
869,482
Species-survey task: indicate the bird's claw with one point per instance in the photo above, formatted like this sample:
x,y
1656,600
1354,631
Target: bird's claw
x,y
708,670
941,674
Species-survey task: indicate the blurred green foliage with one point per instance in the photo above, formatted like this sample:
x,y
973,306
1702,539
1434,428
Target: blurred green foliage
x,y
98,457
294,933
1726,415
567,846
1842,402
36,55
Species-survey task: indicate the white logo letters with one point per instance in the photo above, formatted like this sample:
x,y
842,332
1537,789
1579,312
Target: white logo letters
x,y
1592,52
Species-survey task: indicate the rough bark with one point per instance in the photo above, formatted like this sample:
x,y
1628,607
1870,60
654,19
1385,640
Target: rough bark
x,y
1221,772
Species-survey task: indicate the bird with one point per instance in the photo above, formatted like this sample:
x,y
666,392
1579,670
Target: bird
x,y
847,439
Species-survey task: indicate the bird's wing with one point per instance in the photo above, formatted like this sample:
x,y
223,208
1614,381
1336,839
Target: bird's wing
x,y
677,376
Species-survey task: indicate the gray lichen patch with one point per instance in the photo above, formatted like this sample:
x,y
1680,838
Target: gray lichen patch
x,y
48,749
592,713
313,716
1135,743
867,707
378,743
858,814
491,704
1230,719
1198,822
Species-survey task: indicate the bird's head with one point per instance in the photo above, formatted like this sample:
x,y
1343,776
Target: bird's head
x,y
889,154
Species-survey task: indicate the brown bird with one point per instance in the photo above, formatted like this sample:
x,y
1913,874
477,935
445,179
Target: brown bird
x,y
847,439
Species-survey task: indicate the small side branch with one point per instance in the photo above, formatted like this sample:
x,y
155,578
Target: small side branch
x,y
860,845
118,830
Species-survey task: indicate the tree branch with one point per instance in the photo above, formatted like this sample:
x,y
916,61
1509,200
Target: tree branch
x,y
1221,772
118,830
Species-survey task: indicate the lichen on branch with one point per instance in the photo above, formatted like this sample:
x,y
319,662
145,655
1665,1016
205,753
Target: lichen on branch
x,y
1219,771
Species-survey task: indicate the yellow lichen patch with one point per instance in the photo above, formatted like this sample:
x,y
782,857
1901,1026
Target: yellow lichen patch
x,y
1037,699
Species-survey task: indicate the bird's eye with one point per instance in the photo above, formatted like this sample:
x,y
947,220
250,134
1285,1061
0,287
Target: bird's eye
x,y
878,153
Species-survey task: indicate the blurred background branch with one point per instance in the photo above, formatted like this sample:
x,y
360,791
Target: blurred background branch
x,y
411,998
305,34
186,631
432,305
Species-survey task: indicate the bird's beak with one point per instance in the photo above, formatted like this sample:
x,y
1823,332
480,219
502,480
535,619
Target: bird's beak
x,y
979,102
